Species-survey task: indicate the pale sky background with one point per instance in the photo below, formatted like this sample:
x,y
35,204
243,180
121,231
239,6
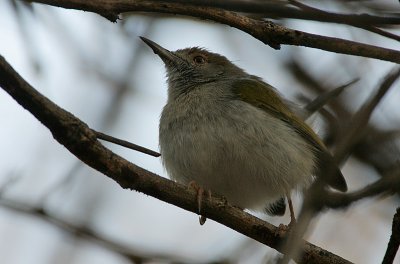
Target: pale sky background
x,y
73,50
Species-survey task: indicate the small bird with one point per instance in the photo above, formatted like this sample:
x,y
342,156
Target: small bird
x,y
231,133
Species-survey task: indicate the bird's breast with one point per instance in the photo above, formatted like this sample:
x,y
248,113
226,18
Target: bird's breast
x,y
234,149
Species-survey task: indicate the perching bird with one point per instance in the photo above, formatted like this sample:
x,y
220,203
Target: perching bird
x,y
233,134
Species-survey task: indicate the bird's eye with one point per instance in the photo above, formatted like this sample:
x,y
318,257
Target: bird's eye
x,y
199,60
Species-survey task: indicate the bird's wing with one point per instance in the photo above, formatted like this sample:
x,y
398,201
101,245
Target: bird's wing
x,y
264,96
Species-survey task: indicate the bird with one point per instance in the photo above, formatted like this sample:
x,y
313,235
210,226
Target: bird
x,y
229,132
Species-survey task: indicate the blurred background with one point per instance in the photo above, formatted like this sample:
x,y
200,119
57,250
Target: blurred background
x,y
55,209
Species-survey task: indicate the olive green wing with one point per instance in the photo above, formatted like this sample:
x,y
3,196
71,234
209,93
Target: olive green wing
x,y
264,96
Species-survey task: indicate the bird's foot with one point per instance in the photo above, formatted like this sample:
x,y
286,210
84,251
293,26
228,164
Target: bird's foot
x,y
200,193
283,229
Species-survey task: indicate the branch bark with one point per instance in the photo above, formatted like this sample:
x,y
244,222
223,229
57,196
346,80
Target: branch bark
x,y
81,141
269,33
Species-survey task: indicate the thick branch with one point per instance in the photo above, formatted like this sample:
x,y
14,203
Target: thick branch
x,y
80,140
271,34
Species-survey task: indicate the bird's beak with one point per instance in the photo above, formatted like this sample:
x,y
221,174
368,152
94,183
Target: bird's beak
x,y
167,56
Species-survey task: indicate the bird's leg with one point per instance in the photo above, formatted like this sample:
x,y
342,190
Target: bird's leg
x,y
202,218
200,193
292,215
282,228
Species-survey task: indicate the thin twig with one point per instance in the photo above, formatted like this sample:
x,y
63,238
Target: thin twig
x,y
394,242
352,22
385,185
324,98
126,144
360,119
85,232
381,32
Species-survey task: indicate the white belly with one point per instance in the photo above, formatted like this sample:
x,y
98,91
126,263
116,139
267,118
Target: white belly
x,y
238,151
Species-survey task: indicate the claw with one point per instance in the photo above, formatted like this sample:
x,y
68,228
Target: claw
x,y
199,198
283,229
202,219
292,215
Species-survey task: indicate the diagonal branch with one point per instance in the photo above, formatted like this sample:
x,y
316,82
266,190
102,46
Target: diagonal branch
x,y
81,141
394,242
88,233
126,144
270,33
362,116
387,184
350,19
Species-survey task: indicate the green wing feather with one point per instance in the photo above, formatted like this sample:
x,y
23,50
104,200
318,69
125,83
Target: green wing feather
x,y
264,96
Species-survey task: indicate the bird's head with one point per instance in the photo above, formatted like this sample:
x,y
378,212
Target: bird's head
x,y
190,67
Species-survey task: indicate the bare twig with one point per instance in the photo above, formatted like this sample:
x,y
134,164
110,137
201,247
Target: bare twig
x,y
126,144
81,141
270,33
345,19
388,184
360,119
394,242
85,232
313,85
324,98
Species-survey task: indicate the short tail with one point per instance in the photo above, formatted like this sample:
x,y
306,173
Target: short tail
x,y
276,208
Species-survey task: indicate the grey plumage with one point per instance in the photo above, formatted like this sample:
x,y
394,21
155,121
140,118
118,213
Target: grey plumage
x,y
232,133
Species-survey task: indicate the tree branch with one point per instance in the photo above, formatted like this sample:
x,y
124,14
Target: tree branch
x,y
270,33
388,184
283,10
81,141
359,121
348,19
86,232
305,12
